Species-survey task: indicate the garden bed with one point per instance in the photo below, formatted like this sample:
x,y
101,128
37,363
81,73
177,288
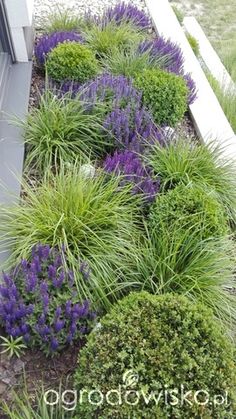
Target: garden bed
x,y
122,210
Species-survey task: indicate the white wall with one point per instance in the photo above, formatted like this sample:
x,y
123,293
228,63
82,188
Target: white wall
x,y
20,17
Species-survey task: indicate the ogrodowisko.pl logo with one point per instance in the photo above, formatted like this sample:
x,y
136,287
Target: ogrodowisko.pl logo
x,y
129,392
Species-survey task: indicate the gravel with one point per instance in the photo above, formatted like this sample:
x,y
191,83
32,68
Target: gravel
x,y
42,7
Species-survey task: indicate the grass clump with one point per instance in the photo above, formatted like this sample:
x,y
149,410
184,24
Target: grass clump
x,y
190,207
193,43
104,40
176,259
148,344
184,162
71,61
28,405
226,96
61,129
126,63
165,94
60,19
178,13
91,217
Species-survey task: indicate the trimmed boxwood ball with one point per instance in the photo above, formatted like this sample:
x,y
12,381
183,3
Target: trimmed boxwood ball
x,y
162,344
189,205
165,94
72,61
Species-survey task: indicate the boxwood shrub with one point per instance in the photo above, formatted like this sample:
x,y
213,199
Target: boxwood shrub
x,y
71,61
165,94
189,206
156,346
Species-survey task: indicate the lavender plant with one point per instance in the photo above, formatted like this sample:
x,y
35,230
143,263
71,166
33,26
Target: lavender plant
x,y
39,301
130,166
126,122
165,49
192,89
123,12
48,42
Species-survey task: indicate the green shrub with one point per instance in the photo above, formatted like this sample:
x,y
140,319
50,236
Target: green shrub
x,y
60,129
92,217
190,207
150,346
183,162
105,39
193,43
71,61
165,94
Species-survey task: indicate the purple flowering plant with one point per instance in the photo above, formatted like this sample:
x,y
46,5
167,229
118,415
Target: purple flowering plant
x,y
39,301
131,167
127,124
120,13
48,42
126,12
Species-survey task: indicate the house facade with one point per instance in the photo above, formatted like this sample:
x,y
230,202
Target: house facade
x,y
16,45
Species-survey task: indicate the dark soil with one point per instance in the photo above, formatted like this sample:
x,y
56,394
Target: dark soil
x,y
33,368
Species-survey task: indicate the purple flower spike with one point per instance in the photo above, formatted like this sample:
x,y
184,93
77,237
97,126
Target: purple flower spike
x,y
58,325
52,271
130,165
192,96
126,12
164,49
46,43
54,344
